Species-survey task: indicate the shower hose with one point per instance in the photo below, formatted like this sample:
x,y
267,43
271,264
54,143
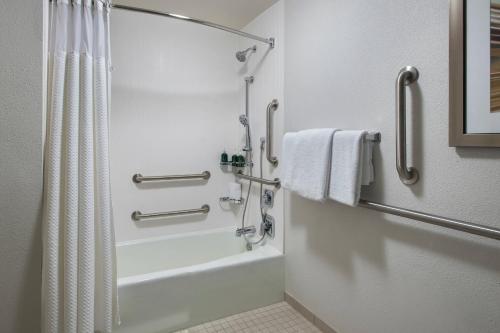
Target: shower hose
x,y
250,242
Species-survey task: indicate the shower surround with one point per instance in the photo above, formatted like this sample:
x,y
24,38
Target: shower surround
x,y
176,101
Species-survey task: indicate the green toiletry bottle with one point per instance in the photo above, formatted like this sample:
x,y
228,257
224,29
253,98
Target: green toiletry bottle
x,y
234,160
241,161
224,158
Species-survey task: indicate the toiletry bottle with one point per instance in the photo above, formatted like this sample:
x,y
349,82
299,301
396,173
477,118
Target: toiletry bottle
x,y
234,160
241,161
224,158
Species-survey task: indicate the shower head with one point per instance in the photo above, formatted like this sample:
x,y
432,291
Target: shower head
x,y
244,120
242,55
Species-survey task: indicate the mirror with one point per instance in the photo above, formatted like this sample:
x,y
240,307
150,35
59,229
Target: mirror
x,y
474,73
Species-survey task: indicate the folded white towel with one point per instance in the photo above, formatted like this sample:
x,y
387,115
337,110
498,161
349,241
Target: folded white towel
x,y
368,174
351,166
306,162
288,152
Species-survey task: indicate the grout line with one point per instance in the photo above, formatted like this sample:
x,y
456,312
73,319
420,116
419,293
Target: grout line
x,y
280,317
309,315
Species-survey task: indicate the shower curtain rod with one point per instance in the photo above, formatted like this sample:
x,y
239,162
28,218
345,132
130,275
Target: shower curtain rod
x,y
269,41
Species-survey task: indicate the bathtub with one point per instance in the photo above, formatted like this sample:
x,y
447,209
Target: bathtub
x,y
170,283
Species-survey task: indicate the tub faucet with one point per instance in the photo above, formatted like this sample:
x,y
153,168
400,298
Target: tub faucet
x,y
245,231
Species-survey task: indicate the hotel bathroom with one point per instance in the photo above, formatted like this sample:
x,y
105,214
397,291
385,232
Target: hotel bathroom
x,y
196,166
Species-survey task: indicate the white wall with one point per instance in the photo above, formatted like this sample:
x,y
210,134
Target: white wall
x,y
358,270
267,67
21,101
177,93
175,103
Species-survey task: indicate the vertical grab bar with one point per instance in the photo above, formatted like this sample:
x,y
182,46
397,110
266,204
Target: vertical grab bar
x,y
273,106
406,76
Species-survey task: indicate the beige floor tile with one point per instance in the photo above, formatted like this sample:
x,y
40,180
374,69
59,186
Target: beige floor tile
x,y
276,318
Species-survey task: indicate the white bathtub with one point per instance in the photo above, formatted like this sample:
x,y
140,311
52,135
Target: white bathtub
x,y
171,283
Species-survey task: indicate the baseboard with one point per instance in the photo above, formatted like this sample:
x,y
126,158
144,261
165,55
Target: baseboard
x,y
320,324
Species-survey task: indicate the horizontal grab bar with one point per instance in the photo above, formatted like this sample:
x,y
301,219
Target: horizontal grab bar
x,y
138,178
471,228
138,216
276,182
269,41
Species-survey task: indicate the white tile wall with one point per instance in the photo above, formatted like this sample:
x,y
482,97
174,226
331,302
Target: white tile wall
x,y
177,92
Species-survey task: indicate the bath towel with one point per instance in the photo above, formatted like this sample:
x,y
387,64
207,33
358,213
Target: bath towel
x,y
306,162
351,166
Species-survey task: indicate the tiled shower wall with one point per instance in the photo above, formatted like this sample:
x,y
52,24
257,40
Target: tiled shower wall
x,y
177,93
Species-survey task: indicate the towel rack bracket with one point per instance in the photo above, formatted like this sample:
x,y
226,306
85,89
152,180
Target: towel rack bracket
x,y
374,137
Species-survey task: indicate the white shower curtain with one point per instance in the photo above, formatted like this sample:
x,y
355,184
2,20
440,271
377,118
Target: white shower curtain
x,y
79,266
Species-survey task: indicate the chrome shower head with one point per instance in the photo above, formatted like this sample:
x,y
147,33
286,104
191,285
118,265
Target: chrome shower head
x,y
244,120
242,55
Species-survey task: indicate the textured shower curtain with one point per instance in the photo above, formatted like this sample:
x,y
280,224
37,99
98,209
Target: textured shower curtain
x,y
79,266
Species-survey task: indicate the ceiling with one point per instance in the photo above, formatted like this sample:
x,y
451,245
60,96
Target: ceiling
x,y
232,13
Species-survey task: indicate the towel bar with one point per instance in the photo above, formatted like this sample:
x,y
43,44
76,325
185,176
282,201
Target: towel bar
x,y
374,137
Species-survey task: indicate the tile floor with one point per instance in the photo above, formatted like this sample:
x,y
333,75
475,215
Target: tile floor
x,y
276,318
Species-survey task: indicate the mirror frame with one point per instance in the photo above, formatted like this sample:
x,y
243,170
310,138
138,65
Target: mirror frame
x,y
457,94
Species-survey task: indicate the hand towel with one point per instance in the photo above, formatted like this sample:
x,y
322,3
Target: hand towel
x,y
306,162
348,164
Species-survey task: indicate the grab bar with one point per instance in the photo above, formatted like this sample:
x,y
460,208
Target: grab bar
x,y
406,76
471,228
276,182
138,216
138,178
273,106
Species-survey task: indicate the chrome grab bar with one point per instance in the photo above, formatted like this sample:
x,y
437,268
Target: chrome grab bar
x,y
138,178
406,76
273,106
471,228
276,182
138,216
